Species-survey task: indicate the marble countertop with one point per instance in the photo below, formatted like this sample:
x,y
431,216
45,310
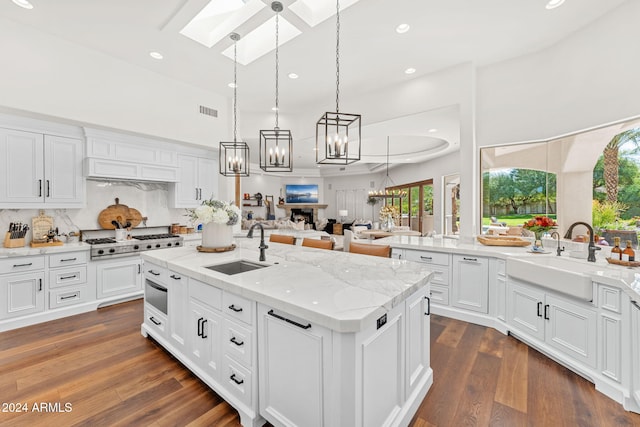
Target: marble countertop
x,y
341,291
601,271
28,250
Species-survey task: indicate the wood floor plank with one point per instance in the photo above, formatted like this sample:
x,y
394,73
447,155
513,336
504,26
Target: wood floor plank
x,y
452,333
512,388
504,416
492,343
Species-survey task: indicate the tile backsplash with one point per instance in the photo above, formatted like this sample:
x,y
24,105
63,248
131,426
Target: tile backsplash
x,y
150,198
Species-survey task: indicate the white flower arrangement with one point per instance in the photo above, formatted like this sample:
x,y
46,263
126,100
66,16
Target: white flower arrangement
x,y
215,211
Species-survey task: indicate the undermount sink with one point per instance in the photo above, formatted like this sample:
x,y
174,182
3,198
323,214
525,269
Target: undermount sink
x,y
236,267
561,275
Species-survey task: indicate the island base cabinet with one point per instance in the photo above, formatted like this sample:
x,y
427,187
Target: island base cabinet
x,y
293,387
204,338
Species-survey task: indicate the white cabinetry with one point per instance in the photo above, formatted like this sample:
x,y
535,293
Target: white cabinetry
x,y
178,300
470,289
68,280
22,286
610,332
440,264
418,309
37,169
197,181
567,327
635,352
118,276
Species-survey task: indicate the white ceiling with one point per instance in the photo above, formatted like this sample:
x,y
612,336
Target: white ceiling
x,y
443,33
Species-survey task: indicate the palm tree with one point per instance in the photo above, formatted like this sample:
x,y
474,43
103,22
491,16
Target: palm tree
x,y
610,155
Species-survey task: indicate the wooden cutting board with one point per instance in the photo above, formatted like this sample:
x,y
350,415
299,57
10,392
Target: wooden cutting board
x,y
120,213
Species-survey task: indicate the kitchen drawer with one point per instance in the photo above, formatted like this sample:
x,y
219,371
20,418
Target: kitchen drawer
x,y
237,307
207,294
20,264
237,342
609,298
155,320
439,295
67,276
155,273
441,275
438,258
70,295
237,379
67,258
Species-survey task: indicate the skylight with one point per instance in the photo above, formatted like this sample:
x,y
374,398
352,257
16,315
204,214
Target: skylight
x,y
314,12
219,18
262,40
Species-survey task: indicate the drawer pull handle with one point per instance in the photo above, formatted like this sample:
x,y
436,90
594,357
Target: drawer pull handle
x,y
238,343
234,308
428,258
174,277
68,277
470,259
293,322
74,295
22,265
68,259
155,321
235,380
154,273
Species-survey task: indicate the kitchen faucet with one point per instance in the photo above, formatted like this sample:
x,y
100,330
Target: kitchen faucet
x,y
558,249
592,245
262,246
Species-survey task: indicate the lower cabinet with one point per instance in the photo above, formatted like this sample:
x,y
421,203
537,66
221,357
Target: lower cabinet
x,y
118,276
470,288
567,327
204,338
178,300
21,294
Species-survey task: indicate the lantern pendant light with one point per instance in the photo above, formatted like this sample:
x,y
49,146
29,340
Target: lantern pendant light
x,y
338,135
234,156
276,145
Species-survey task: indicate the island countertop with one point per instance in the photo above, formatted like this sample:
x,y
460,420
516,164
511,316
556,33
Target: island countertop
x,y
341,291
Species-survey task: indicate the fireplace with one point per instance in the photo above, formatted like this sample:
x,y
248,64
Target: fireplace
x,y
306,214
309,211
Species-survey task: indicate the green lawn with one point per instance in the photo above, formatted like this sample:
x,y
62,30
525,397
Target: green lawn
x,y
514,220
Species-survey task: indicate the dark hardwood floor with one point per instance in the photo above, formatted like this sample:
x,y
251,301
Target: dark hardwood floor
x,y
100,365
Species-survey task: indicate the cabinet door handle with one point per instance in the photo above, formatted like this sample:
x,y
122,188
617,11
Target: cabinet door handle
x,y
293,322
73,295
68,259
174,277
204,322
238,343
68,277
199,193
39,188
546,311
155,321
636,304
234,308
22,265
48,189
235,380
153,272
539,307
470,259
197,198
139,269
39,284
200,326
428,313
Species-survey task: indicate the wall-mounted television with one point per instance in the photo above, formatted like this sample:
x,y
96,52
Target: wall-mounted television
x,y
301,193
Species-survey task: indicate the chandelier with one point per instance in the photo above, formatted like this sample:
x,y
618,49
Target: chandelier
x,y
383,190
234,156
275,142
338,135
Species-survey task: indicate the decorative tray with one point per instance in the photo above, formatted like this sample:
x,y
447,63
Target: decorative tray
x,y
201,248
625,263
503,241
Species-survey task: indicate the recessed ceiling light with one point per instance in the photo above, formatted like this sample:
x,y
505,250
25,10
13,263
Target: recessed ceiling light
x,y
554,3
156,55
402,28
274,108
232,85
433,130
23,4
407,160
293,76
410,70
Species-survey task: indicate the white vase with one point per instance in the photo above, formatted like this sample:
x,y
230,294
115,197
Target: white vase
x,y
217,235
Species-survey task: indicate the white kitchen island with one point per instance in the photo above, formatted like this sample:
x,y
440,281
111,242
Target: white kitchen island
x,y
316,338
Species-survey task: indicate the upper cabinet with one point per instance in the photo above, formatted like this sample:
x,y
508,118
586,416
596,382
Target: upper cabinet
x,y
198,181
38,168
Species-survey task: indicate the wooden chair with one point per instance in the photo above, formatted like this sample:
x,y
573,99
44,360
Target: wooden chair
x,y
317,243
370,249
281,238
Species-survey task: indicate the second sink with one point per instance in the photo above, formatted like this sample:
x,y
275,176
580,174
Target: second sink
x,y
236,267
